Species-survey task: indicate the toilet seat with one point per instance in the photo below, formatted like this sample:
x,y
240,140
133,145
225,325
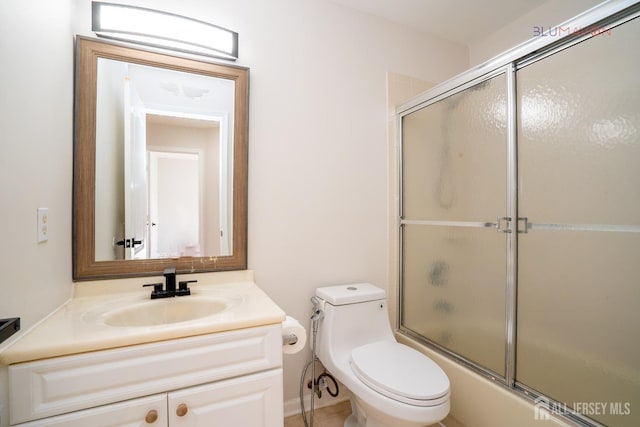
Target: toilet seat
x,y
400,373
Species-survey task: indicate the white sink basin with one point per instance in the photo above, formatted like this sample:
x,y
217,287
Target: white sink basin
x,y
165,311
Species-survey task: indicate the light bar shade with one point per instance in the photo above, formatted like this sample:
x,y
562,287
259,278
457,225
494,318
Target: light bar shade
x,y
161,29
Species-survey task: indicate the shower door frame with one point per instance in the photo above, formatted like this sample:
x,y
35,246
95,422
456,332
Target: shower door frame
x,y
591,23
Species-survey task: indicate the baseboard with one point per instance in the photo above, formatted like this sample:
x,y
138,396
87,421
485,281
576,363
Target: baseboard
x,y
292,406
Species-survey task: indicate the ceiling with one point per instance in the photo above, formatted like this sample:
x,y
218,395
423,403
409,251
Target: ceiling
x,y
463,21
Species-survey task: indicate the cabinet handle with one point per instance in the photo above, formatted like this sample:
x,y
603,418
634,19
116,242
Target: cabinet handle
x,y
152,416
182,410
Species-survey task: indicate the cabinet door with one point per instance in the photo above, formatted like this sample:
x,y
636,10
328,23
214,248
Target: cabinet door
x,y
144,412
253,400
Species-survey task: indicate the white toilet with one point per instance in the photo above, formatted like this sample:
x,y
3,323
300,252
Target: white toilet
x,y
392,385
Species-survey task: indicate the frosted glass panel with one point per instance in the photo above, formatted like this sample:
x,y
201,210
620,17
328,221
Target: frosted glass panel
x,y
454,156
454,169
579,166
578,317
454,290
579,132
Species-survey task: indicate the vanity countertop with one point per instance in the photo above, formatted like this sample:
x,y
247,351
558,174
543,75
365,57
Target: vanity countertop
x,y
79,326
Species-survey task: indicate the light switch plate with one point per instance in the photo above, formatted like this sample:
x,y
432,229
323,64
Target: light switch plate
x,y
43,224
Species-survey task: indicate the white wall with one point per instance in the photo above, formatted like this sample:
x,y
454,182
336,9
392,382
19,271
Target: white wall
x,y
548,14
318,153
36,128
318,148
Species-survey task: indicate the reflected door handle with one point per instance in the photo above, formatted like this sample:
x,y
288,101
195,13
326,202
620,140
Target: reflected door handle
x,y
129,243
124,242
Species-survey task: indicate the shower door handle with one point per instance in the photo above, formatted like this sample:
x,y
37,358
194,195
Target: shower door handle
x,y
523,225
507,223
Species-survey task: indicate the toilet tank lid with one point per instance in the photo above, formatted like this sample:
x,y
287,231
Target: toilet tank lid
x,y
351,294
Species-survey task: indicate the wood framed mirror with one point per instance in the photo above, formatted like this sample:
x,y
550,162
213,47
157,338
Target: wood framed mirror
x,y
160,163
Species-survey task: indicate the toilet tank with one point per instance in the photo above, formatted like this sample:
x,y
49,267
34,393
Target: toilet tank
x,y
354,315
351,294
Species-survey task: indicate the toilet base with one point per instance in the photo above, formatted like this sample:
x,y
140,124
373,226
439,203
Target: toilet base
x,y
359,418
351,421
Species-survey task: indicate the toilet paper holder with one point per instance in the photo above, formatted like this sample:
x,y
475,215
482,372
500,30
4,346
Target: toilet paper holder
x,y
294,336
290,339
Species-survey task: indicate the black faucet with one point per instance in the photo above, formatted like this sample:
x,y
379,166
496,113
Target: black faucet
x,y
170,280
170,286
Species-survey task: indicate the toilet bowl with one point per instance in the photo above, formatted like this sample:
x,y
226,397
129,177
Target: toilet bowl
x,y
391,384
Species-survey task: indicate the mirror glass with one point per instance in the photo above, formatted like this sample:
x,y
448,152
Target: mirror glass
x,y
160,163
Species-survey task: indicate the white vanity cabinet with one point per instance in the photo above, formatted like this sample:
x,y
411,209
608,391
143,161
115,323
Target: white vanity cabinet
x,y
225,379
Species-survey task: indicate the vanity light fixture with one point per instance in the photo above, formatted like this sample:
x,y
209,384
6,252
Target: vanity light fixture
x,y
162,29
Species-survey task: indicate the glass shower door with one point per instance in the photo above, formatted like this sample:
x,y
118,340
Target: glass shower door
x,y
454,179
579,260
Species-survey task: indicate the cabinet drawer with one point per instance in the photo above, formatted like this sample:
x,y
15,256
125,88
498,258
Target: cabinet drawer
x,y
132,413
55,386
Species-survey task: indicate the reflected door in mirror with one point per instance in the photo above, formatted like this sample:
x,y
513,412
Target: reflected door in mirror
x,y
163,111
